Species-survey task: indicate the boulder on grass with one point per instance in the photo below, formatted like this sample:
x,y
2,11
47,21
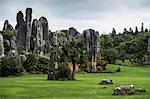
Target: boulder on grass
x,y
127,90
106,82
140,90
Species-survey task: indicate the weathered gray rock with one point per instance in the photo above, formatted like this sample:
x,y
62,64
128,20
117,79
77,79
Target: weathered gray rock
x,y
1,46
13,43
140,90
73,34
106,82
19,19
124,90
61,38
55,38
33,35
53,67
29,28
7,46
39,39
34,28
148,47
147,60
44,23
7,26
92,43
127,90
21,34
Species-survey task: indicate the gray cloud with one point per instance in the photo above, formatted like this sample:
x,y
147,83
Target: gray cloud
x,y
101,15
80,9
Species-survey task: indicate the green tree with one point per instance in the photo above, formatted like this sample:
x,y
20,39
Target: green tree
x,y
75,51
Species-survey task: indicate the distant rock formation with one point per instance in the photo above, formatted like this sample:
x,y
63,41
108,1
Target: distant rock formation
x,y
21,34
1,46
44,24
61,38
72,34
92,43
148,47
7,26
53,58
28,20
39,39
33,35
148,50
13,43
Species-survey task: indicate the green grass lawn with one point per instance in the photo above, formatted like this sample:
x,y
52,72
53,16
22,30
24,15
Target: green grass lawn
x,y
85,87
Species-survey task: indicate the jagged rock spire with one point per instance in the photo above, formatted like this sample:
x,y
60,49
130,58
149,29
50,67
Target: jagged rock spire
x,y
92,43
7,26
28,20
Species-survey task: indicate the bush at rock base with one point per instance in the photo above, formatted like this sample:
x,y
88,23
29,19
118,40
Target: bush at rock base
x,y
63,71
35,64
10,66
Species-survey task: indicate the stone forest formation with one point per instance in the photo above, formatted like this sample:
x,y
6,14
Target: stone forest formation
x,y
32,36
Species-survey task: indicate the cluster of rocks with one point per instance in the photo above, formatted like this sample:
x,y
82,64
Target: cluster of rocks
x,y
33,36
122,90
127,90
106,82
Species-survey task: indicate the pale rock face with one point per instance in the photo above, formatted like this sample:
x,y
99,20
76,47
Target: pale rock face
x,y
39,35
39,38
1,46
55,34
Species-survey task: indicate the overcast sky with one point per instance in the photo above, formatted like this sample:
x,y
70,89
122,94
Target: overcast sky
x,y
101,15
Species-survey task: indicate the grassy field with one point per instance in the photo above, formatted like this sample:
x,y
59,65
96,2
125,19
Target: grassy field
x,y
85,87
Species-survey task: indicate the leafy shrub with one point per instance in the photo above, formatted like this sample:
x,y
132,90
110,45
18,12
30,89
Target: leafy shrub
x,y
43,65
8,34
10,66
63,71
35,64
30,63
43,60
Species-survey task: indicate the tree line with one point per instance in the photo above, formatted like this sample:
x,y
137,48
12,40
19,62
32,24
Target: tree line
x,y
130,45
